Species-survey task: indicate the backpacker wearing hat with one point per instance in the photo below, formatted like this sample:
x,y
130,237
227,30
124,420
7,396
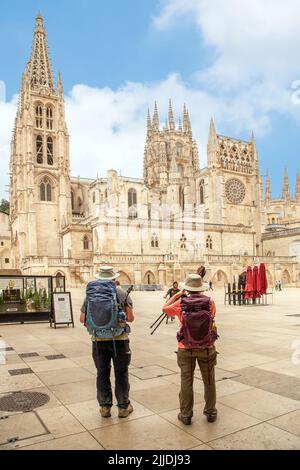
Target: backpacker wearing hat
x,y
196,343
105,313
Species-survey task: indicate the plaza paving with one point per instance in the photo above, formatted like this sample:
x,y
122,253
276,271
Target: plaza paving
x,y
258,384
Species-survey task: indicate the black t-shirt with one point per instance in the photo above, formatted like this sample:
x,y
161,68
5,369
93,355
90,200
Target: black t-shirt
x,y
172,291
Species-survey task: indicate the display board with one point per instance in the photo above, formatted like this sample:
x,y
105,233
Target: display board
x,y
27,298
62,309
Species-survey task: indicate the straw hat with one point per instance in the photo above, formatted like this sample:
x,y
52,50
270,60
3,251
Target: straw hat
x,y
106,273
193,283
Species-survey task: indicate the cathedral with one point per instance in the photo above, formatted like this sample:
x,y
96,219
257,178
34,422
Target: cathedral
x,y
155,229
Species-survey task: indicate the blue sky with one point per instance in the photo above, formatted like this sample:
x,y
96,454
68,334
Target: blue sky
x,y
233,60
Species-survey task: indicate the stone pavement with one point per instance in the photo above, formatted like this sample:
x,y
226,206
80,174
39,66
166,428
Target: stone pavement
x,y
258,383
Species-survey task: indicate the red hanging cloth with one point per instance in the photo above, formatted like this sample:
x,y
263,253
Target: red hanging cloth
x,y
249,284
256,283
263,279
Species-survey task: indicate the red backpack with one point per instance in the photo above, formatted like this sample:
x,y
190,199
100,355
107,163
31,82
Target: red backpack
x,y
198,330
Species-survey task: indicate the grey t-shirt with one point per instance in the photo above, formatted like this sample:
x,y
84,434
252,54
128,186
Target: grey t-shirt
x,y
121,297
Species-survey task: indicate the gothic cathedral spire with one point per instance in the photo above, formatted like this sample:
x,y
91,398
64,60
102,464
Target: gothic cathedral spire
x,y
39,66
268,189
286,186
212,145
171,117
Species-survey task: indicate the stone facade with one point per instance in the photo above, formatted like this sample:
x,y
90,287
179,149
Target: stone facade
x,y
5,245
154,230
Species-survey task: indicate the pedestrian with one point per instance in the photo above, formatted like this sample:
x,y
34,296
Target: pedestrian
x,y
201,271
211,285
196,343
171,292
106,311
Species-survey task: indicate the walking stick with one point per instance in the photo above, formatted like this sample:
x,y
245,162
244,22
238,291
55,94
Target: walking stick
x,y
164,315
157,320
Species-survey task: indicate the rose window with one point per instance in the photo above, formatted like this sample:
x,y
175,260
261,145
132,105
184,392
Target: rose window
x,y
235,191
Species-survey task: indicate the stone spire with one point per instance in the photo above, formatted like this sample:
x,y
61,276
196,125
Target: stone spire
x,y
286,186
298,185
212,145
186,121
149,125
155,121
171,117
179,125
212,135
60,87
268,189
39,66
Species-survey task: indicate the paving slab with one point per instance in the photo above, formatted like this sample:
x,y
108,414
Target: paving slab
x,y
229,421
76,392
260,403
289,422
60,422
64,376
151,432
261,437
83,441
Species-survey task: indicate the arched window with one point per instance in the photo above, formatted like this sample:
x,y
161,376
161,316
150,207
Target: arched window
x,y
154,241
39,149
85,243
49,118
49,150
183,242
179,148
39,116
209,242
46,190
132,203
94,197
201,192
72,200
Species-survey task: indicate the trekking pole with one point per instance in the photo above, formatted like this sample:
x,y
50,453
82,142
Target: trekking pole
x,y
163,318
157,320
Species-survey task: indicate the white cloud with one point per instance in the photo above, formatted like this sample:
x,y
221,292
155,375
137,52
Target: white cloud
x,y
7,116
254,44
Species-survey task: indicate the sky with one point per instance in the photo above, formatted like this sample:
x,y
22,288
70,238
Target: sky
x,y
236,61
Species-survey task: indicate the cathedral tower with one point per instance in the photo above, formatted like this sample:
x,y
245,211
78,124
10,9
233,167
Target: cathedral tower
x,y
171,161
40,173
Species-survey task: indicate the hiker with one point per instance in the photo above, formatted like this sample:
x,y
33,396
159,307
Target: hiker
x,y
196,340
201,271
105,312
171,292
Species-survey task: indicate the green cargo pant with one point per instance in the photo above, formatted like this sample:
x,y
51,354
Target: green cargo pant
x,y
207,360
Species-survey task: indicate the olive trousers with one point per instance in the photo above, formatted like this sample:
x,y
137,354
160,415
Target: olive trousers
x,y
207,360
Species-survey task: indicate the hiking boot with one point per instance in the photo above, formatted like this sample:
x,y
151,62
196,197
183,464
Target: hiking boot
x,y
211,418
187,420
124,412
105,411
